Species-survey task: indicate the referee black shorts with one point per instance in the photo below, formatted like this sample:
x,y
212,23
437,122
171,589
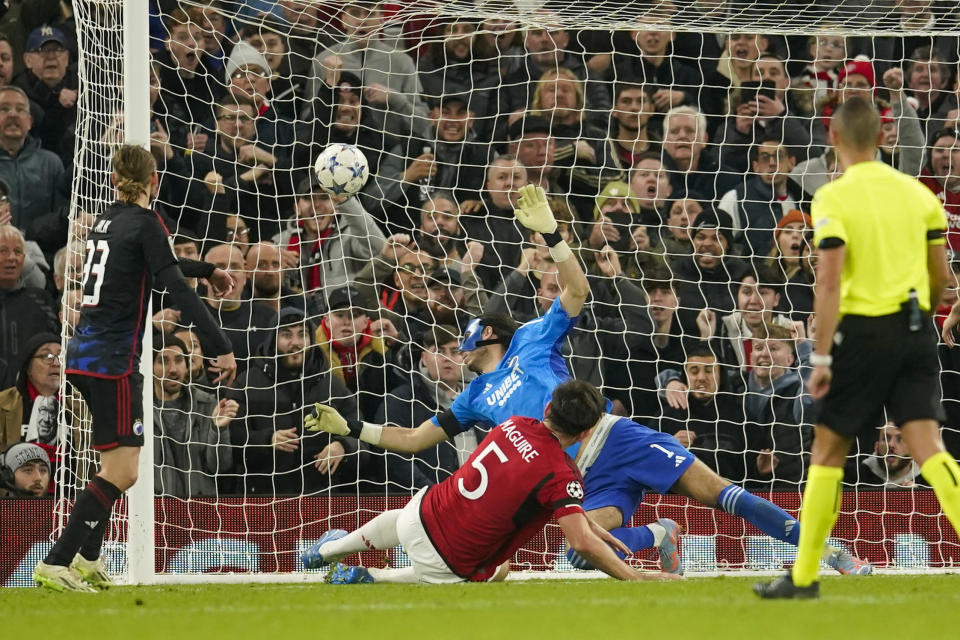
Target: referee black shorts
x,y
116,409
878,363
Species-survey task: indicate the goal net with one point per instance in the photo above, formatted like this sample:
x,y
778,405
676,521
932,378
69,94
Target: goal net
x,y
680,144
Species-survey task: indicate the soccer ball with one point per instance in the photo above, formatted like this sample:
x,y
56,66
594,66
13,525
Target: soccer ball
x,y
342,169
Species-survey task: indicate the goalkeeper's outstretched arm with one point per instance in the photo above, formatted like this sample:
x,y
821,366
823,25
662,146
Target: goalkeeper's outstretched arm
x,y
399,439
404,440
533,212
574,287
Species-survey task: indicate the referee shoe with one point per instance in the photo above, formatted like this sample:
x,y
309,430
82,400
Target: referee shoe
x,y
783,587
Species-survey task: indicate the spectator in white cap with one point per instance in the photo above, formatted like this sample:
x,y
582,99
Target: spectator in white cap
x,y
25,471
249,78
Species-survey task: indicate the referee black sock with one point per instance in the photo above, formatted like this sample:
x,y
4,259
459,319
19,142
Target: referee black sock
x,y
87,523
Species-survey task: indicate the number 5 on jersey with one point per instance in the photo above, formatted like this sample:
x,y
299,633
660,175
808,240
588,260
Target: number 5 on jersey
x,y
477,463
94,267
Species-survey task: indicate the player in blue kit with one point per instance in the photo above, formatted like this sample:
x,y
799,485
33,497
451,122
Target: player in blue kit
x,y
519,367
621,460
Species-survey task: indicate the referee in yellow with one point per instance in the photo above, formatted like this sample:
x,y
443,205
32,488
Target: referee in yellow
x,y
882,267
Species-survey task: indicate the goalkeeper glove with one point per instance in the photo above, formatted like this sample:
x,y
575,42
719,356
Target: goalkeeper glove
x,y
327,419
534,212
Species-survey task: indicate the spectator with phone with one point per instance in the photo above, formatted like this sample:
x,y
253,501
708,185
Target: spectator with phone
x,y
763,109
649,61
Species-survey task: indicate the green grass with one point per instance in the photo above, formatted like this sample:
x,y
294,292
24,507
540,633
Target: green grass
x,y
925,607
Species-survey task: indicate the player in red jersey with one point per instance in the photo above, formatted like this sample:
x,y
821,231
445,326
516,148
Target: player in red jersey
x,y
468,527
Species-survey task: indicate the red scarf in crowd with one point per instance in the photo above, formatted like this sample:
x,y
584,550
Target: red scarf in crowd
x,y
314,275
32,391
388,299
628,156
51,449
829,76
347,353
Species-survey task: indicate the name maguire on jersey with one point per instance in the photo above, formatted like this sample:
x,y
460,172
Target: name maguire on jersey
x,y
513,483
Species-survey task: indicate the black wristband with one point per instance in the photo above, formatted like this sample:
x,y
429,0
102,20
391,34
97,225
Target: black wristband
x,y
552,239
449,423
355,427
196,268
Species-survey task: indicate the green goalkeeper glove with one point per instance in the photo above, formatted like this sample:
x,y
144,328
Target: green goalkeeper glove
x,y
534,212
327,419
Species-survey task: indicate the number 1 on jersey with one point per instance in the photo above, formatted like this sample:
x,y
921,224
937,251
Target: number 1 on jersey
x,y
477,463
94,267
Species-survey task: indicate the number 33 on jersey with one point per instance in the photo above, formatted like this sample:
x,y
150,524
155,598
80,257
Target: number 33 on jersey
x,y
125,248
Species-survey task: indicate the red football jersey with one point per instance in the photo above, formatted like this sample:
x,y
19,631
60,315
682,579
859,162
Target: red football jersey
x,y
505,493
951,204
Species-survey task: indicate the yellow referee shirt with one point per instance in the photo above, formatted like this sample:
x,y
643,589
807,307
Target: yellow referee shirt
x,y
886,219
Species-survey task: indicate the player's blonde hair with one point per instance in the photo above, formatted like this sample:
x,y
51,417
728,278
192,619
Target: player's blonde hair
x,y
132,168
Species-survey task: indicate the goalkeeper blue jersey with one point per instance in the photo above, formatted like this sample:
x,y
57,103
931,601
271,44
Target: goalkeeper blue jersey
x,y
523,382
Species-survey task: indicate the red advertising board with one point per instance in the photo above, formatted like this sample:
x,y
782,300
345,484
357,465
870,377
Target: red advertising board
x,y
903,528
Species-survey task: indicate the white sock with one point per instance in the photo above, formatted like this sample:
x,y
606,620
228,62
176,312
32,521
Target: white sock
x,y
658,531
405,575
379,533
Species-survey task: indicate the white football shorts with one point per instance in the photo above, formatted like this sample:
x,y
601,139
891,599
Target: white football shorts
x,y
427,563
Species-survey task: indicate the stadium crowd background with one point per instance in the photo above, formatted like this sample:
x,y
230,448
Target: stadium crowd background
x,y
681,166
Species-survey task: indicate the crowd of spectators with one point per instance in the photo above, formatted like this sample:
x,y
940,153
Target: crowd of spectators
x,y
679,165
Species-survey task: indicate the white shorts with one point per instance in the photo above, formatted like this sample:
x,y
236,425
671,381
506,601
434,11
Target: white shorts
x,y
427,563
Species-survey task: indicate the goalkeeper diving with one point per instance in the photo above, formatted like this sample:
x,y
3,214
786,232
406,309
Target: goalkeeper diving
x,y
518,369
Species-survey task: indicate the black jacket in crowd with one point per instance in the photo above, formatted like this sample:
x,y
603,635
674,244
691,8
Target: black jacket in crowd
x,y
24,311
409,405
718,423
272,398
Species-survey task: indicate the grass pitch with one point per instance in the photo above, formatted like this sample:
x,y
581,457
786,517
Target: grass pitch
x,y
706,609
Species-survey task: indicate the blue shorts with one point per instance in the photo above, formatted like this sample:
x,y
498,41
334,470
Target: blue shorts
x,y
634,459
